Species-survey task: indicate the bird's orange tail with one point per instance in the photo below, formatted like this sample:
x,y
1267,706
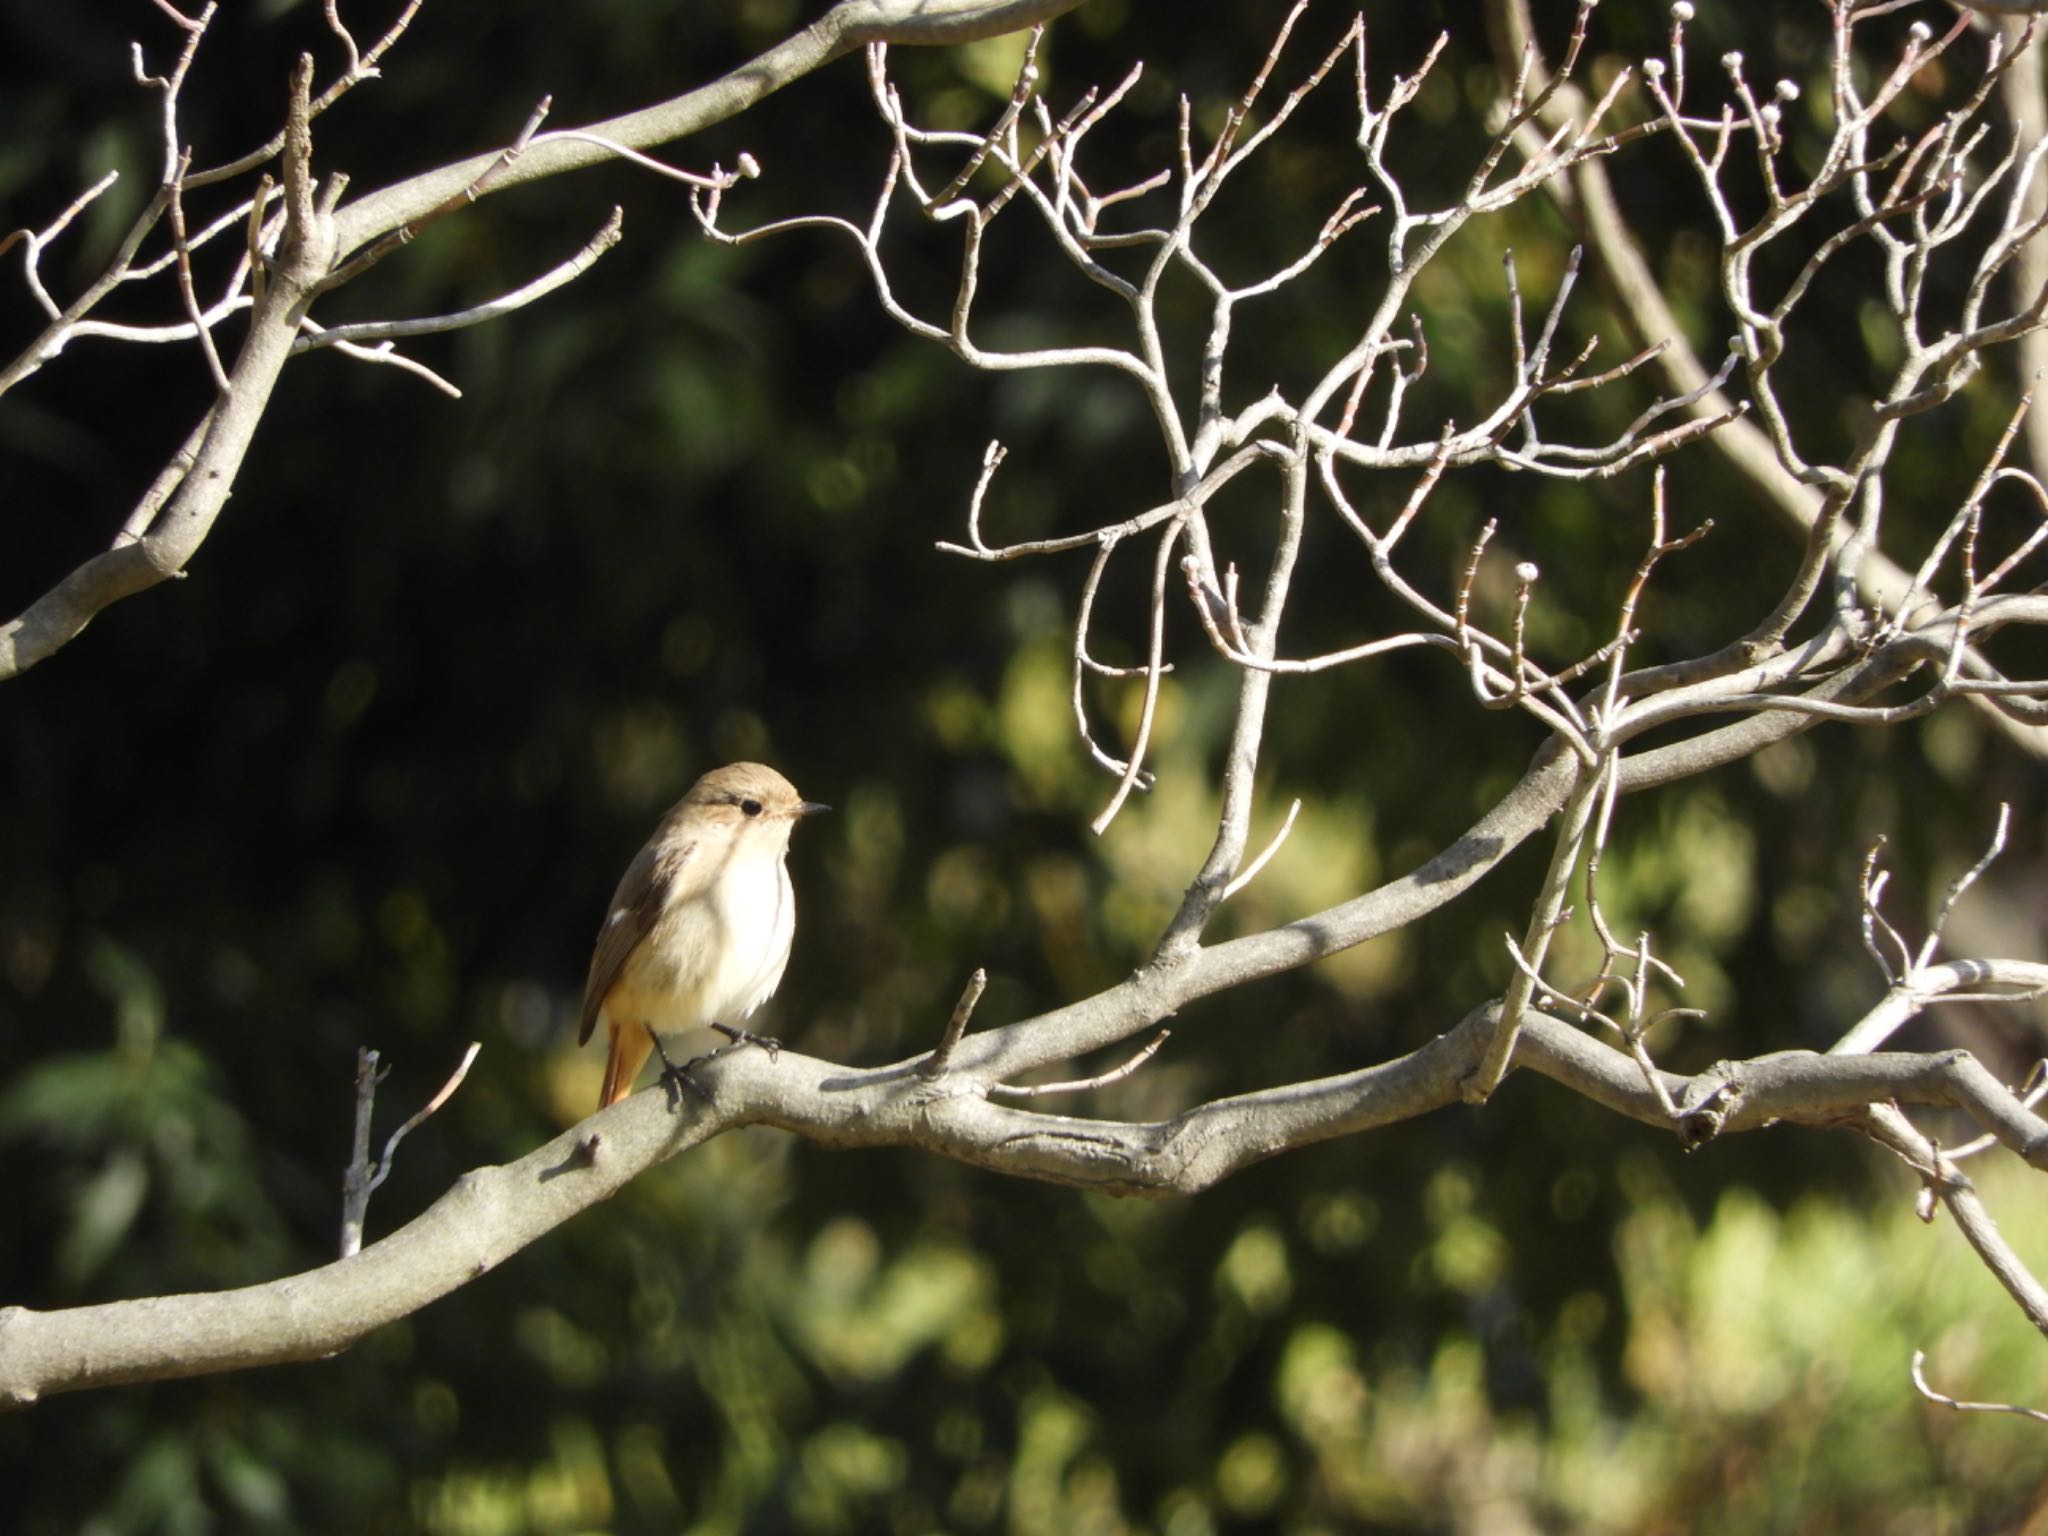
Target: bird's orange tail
x,y
630,1048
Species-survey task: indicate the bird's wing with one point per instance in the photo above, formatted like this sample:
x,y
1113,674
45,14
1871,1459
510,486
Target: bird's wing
x,y
643,890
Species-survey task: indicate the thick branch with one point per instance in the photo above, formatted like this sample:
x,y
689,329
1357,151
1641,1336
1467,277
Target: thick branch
x,y
491,1213
175,534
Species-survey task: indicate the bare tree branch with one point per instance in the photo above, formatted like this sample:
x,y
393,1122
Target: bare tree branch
x,y
491,1213
848,26
1588,197
1862,631
318,241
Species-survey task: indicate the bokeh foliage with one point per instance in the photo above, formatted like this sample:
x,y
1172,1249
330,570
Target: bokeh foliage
x,y
366,776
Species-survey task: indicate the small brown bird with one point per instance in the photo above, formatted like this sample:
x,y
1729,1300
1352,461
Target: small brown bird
x,y
699,929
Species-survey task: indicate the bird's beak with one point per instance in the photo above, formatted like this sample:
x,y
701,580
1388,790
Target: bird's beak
x,y
811,808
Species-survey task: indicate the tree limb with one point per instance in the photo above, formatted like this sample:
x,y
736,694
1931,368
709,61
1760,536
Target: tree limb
x,y
491,1213
849,25
153,545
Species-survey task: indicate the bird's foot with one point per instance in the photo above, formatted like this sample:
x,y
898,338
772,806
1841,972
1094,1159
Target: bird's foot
x,y
677,1078
767,1043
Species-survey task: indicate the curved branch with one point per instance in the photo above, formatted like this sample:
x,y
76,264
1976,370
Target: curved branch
x,y
849,25
493,1212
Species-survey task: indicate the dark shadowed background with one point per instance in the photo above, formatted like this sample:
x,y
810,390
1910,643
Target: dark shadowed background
x,y
366,776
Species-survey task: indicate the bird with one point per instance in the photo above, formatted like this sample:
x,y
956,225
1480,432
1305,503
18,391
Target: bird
x,y
698,932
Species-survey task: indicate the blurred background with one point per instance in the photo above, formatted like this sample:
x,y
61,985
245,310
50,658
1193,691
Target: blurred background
x,y
367,775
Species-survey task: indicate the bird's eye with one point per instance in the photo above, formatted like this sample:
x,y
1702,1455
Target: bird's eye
x,y
751,807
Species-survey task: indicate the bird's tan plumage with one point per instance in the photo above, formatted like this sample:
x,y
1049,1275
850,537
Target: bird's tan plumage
x,y
699,929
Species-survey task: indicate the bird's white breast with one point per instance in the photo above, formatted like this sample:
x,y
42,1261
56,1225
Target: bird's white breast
x,y
758,910
717,949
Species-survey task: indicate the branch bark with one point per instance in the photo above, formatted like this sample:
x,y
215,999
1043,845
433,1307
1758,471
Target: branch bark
x,y
491,1213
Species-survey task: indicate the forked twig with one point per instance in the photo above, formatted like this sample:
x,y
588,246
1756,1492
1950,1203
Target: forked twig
x,y
361,1179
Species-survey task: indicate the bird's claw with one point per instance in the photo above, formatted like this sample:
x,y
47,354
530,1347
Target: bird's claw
x,y
767,1043
677,1078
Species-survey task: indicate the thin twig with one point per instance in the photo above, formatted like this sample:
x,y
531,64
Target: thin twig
x,y
956,1026
1083,1084
355,1179
555,277
361,1180
1945,1401
187,292
1249,873
1963,882
1153,668
441,1096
